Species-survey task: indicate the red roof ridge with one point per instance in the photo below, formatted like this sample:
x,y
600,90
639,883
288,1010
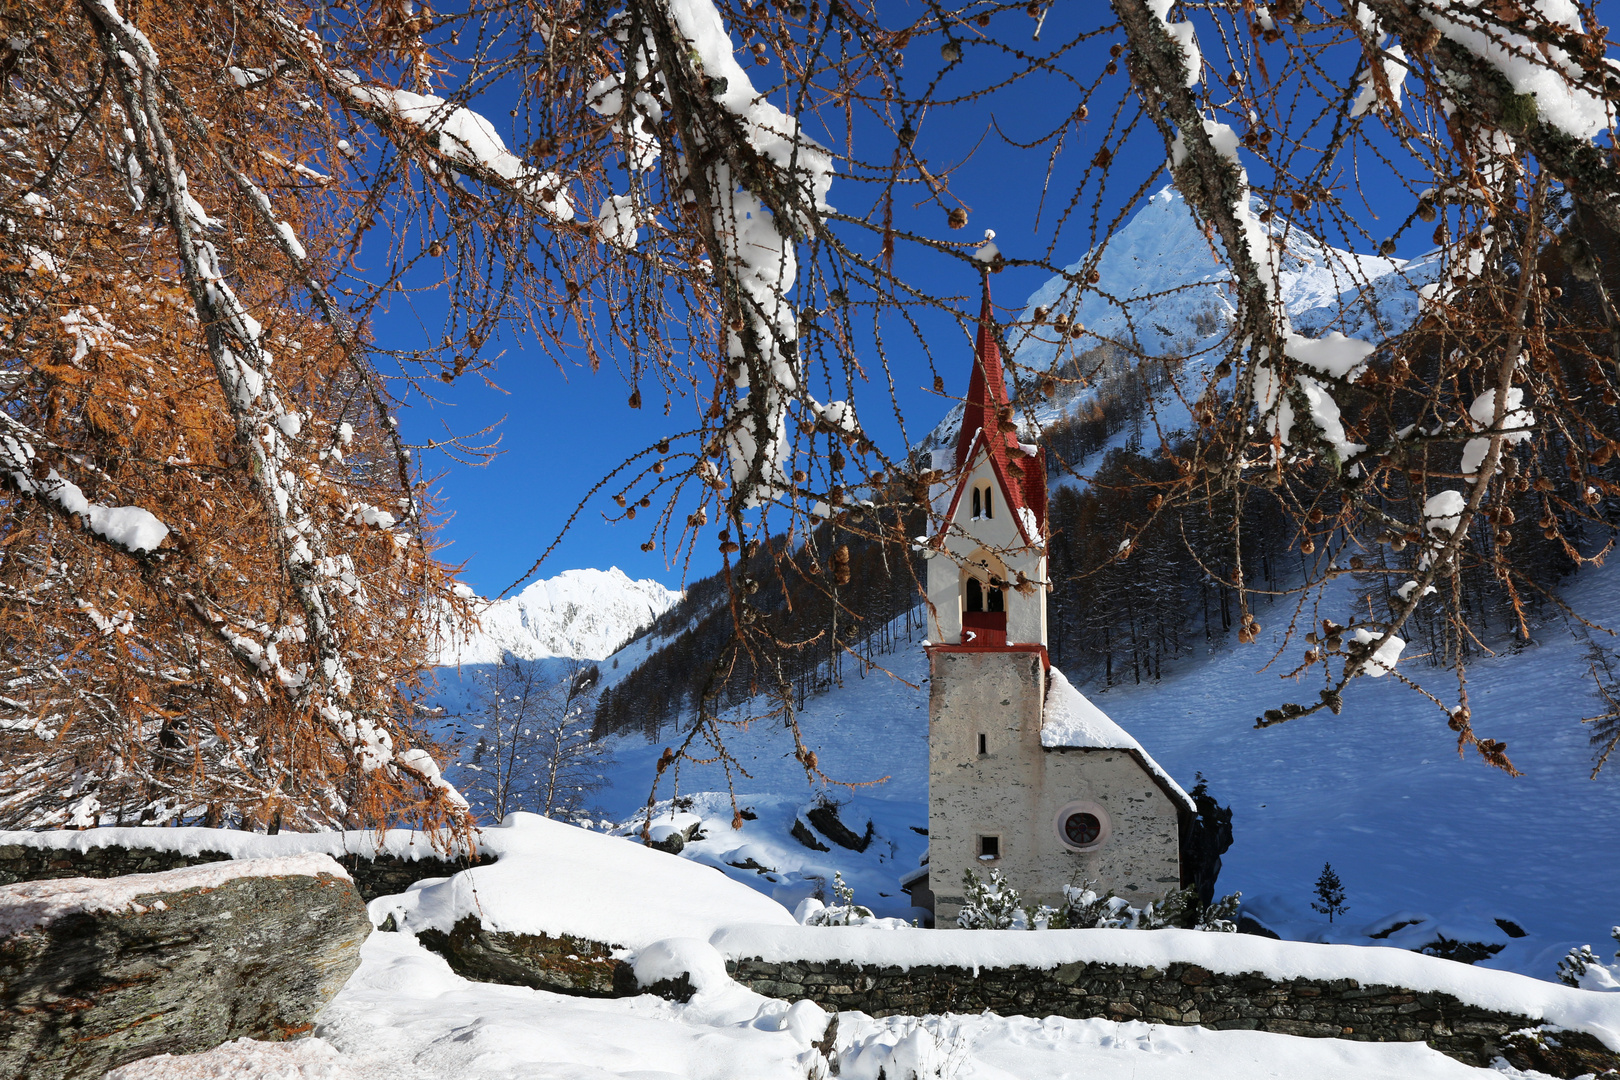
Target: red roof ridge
x,y
983,411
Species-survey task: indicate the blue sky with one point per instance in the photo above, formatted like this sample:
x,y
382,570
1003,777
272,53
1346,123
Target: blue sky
x,y
561,431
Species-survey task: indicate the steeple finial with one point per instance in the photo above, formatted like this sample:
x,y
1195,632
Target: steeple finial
x,y
987,388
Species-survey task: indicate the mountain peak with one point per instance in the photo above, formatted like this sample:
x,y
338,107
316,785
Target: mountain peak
x,y
584,613
1163,290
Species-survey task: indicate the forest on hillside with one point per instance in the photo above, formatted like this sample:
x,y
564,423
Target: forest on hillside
x,y
831,611
1119,616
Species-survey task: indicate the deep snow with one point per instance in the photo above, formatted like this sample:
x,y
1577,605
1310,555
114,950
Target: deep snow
x,y
553,878
405,1016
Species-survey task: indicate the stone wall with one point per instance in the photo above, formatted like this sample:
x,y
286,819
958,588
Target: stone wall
x,y
564,964
374,875
1187,994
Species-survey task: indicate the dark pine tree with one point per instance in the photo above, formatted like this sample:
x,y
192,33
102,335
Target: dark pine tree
x,y
1329,893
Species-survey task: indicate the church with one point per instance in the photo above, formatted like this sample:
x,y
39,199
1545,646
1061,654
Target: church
x,y
1026,775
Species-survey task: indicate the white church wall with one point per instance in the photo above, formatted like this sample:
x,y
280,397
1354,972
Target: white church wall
x,y
1026,613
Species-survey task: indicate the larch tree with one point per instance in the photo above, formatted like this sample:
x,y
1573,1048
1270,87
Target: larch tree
x,y
190,188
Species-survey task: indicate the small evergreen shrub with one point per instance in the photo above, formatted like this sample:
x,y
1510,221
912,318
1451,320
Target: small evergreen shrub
x,y
996,905
846,912
1084,909
1329,893
1581,967
991,905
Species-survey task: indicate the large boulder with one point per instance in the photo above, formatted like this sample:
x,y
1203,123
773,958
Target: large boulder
x,y
98,972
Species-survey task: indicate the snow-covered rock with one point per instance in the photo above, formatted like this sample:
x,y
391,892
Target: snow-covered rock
x,y
95,973
556,879
579,613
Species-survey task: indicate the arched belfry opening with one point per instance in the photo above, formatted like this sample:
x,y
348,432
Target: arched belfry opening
x,y
984,600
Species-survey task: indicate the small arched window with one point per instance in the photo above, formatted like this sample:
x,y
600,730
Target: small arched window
x,y
976,507
996,602
975,594
989,506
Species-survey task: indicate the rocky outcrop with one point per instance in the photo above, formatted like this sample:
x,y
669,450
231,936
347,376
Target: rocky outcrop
x,y
374,873
564,964
824,816
95,973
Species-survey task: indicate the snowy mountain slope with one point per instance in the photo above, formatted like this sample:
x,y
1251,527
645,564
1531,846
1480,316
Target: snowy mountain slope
x,y
1162,288
1163,291
578,613
1414,831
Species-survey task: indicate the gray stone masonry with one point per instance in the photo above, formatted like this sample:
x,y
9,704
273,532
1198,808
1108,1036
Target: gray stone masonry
x,y
374,875
255,957
1187,994
564,964
1016,789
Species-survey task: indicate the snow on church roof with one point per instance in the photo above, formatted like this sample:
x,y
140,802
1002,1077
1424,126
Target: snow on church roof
x,y
1070,720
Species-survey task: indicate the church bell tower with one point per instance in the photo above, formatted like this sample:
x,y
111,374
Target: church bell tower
x,y
988,666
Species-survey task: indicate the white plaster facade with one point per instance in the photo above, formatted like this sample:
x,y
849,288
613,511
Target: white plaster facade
x,y
988,546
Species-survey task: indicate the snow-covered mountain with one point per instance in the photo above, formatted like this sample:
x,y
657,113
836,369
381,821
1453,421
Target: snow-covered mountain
x,y
579,613
1163,290
1163,287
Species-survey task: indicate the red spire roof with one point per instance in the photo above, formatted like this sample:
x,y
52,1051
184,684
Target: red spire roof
x,y
984,408
987,387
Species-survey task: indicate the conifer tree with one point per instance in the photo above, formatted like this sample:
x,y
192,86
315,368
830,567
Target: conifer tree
x,y
1329,893
212,594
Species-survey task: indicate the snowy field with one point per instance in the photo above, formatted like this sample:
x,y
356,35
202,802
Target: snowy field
x,y
1414,832
405,1015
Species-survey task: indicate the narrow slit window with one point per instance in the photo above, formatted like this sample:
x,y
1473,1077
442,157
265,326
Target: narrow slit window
x,y
989,848
982,744
989,507
976,506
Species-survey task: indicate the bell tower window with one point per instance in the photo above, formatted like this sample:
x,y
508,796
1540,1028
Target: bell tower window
x,y
975,595
977,510
989,506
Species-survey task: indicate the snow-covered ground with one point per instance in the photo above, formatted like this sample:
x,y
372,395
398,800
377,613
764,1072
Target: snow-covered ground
x,y
1417,834
406,1016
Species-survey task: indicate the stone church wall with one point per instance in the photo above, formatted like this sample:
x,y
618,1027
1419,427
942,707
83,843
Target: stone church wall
x,y
1015,790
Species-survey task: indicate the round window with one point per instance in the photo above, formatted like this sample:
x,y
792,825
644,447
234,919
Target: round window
x,y
1081,829
1082,825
